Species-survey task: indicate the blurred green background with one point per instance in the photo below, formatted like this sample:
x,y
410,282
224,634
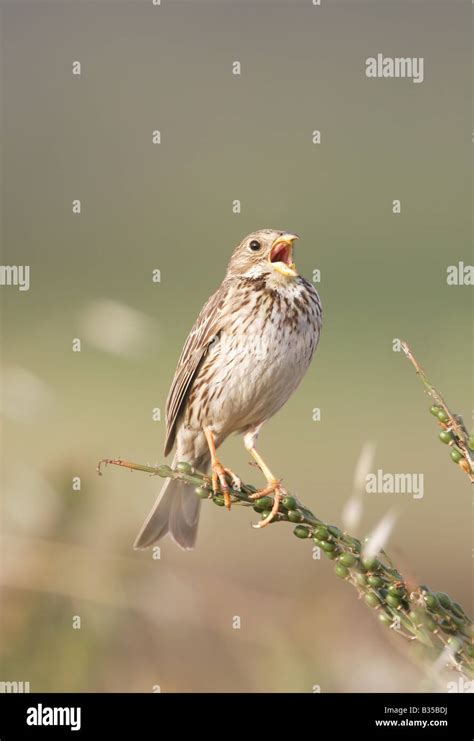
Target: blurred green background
x,y
168,622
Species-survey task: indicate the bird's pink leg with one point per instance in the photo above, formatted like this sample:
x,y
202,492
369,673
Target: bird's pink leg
x,y
273,484
219,471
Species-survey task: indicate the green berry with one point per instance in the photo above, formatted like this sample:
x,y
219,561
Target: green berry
x,y
301,531
448,627
341,571
347,559
385,618
326,545
457,621
219,501
164,470
446,436
265,514
457,609
455,455
431,601
444,600
289,503
184,467
263,504
396,591
332,555
375,581
392,600
202,493
249,488
442,416
371,599
335,531
321,532
361,580
435,409
352,543
370,563
295,516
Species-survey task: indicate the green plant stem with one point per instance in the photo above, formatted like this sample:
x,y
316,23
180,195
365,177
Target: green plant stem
x,y
453,422
413,611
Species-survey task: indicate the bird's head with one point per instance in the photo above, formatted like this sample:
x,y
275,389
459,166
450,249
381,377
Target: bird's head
x,y
264,252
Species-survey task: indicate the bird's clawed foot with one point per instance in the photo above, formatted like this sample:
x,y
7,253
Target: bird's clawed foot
x,y
274,487
219,473
235,481
219,480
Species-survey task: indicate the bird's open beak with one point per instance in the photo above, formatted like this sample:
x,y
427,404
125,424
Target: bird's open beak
x,y
281,255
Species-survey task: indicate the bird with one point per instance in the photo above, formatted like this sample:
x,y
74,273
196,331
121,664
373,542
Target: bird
x,y
248,350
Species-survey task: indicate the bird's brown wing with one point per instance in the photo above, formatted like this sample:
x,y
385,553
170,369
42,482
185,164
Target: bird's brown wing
x,y
206,328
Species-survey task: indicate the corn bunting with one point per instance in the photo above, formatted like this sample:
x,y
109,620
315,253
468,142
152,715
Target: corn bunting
x,y
247,352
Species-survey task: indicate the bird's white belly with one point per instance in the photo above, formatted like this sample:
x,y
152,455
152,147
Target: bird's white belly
x,y
258,370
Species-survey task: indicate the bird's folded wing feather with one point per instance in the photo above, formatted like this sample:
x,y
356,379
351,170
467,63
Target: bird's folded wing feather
x,y
206,328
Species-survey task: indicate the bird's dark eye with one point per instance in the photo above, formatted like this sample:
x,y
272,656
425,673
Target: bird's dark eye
x,y
255,245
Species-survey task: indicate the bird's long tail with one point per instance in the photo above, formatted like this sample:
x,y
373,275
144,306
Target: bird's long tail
x,y
176,511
